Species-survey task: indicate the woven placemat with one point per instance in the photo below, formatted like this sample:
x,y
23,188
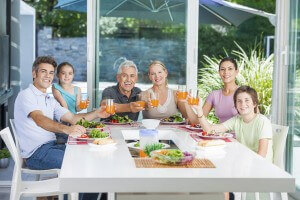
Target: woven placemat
x,y
149,163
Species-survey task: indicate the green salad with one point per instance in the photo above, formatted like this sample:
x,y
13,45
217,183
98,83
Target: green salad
x,y
88,124
137,144
174,118
167,156
95,133
152,147
119,119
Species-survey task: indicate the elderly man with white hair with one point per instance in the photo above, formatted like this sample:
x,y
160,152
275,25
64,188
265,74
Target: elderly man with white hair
x,y
124,93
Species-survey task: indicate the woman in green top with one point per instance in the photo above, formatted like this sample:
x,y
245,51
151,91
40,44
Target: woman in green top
x,y
251,128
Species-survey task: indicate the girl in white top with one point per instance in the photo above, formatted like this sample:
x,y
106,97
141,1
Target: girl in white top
x,y
252,129
168,104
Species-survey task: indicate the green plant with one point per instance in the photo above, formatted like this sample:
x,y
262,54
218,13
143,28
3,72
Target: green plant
x,y
4,153
255,71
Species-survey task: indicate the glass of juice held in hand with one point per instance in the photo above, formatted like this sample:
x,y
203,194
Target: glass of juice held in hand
x,y
84,102
181,93
110,106
154,97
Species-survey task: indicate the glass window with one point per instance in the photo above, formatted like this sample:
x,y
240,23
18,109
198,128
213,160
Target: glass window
x,y
141,32
294,87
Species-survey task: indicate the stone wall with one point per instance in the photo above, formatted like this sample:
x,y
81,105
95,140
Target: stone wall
x,y
141,51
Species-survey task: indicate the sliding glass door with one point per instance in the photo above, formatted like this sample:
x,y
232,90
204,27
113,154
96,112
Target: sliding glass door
x,y
293,96
143,31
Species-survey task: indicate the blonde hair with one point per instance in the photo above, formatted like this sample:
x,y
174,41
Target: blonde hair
x,y
157,62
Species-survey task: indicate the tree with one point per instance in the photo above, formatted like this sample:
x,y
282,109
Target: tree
x,y
64,23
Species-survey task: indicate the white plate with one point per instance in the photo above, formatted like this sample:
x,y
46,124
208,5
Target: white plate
x,y
172,123
112,123
131,145
193,128
102,145
211,148
223,136
88,139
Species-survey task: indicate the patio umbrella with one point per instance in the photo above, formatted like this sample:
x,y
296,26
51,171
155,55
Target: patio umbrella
x,y
210,11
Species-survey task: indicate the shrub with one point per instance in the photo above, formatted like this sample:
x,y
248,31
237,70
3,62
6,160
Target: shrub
x,y
4,153
255,71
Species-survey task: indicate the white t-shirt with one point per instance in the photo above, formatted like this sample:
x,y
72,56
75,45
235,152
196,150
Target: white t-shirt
x,y
31,136
250,133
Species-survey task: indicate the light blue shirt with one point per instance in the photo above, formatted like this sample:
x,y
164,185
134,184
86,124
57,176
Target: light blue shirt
x,y
69,98
30,135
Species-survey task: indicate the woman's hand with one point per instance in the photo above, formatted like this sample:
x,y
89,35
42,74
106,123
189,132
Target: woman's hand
x,y
181,99
198,109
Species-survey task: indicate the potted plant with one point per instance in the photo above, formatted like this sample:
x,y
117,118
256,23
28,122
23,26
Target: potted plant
x,y
4,158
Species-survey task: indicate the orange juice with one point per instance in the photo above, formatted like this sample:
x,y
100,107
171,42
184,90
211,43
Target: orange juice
x,y
110,109
193,101
182,95
142,154
83,104
142,103
154,102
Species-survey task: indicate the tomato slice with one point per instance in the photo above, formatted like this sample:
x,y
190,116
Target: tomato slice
x,y
114,121
84,136
204,133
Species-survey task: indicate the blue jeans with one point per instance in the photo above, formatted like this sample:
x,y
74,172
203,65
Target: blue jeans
x,y
48,156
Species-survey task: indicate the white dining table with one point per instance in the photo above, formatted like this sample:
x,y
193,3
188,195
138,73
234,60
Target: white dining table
x,y
237,168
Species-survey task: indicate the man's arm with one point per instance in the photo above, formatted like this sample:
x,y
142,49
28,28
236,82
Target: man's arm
x,y
126,107
48,124
72,119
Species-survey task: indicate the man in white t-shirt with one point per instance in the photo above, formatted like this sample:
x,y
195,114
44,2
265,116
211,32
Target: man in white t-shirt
x,y
38,116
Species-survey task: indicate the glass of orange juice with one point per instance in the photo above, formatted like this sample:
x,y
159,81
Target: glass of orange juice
x,y
154,97
141,101
110,106
193,97
84,101
181,93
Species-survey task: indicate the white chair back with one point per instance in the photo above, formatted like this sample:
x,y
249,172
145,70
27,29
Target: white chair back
x,y
279,141
13,128
10,144
14,132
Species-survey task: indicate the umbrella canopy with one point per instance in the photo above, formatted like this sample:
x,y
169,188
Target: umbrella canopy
x,y
210,11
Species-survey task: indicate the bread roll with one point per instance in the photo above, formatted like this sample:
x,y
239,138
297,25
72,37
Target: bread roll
x,y
208,143
104,141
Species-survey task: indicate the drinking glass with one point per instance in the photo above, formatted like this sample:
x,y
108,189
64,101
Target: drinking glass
x,y
182,93
141,101
154,97
84,101
110,106
193,97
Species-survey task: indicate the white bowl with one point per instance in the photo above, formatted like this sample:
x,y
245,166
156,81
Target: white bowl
x,y
150,123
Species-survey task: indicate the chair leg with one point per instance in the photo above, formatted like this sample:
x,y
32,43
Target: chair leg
x,y
237,196
37,177
74,196
284,196
244,195
61,197
256,195
271,195
111,196
15,196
